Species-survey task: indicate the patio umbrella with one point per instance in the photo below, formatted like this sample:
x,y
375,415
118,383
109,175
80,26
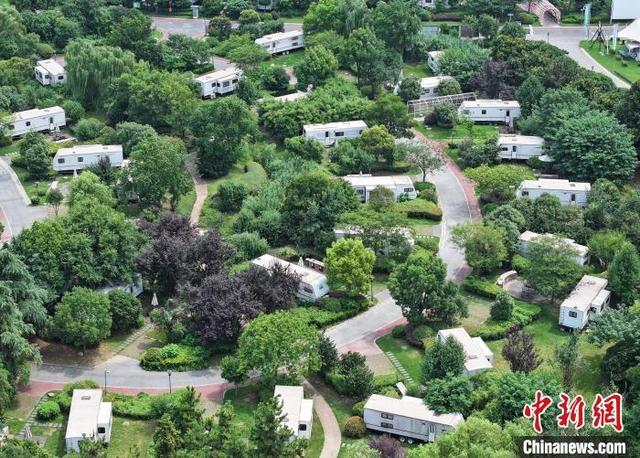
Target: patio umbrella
x,y
154,300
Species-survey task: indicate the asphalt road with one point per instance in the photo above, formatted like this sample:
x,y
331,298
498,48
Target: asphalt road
x,y
194,28
15,203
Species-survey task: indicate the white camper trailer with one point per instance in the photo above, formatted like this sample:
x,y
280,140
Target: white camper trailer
x,y
407,417
37,120
520,147
297,411
569,193
82,156
49,72
363,184
477,356
313,284
491,110
430,85
432,60
582,252
333,132
282,42
89,419
217,83
588,299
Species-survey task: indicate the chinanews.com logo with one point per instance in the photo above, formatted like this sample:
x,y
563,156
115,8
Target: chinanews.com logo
x,y
605,411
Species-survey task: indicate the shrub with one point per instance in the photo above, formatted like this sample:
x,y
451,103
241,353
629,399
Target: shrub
x,y
398,332
248,245
88,129
446,115
420,208
418,334
528,18
519,263
430,195
48,410
415,390
179,357
141,406
389,392
358,409
354,427
73,111
231,196
502,307
125,310
481,287
430,243
386,380
523,314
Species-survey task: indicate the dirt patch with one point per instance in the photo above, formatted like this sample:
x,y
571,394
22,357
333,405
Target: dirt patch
x,y
380,364
140,345
66,355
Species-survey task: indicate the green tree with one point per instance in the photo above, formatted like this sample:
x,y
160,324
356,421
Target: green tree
x,y
529,94
422,154
321,16
54,198
451,394
381,198
520,351
604,245
247,90
628,111
349,266
502,307
220,27
568,360
306,148
82,318
410,89
317,66
513,29
269,437
449,86
34,152
231,196
350,158
379,142
125,310
397,23
185,411
442,360
87,186
390,111
624,274
420,288
506,213
165,438
484,246
497,184
14,39
462,62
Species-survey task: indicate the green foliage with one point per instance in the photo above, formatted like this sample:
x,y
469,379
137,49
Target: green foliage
x,y
568,360
88,129
358,409
274,79
446,115
231,196
354,427
449,86
381,199
349,266
248,245
445,395
497,184
462,62
269,436
410,89
305,148
419,208
34,153
351,377
350,158
624,274
63,398
484,246
604,245
82,318
529,94
178,357
317,66
390,111
502,307
47,410
165,437
73,111
442,359
523,314
142,406
481,287
125,310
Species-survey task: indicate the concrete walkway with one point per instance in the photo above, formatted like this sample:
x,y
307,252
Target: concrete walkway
x,y
330,426
201,190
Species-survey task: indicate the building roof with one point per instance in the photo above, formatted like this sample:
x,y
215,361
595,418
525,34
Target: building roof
x,y
433,81
218,75
475,350
291,97
335,125
555,185
50,66
84,413
89,149
295,408
624,9
307,275
632,31
528,236
371,181
435,54
278,36
520,140
490,103
412,408
585,293
36,112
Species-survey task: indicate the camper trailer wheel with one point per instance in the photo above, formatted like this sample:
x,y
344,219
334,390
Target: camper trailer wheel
x,y
410,441
402,439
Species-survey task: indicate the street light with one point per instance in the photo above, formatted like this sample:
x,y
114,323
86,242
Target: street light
x,y
106,371
169,374
510,16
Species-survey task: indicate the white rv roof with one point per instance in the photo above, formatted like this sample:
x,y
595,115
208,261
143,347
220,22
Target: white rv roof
x,y
89,149
585,293
528,236
308,275
84,413
278,36
51,66
334,125
555,185
434,54
218,75
433,81
36,112
474,349
371,181
520,140
411,407
291,97
490,103
294,406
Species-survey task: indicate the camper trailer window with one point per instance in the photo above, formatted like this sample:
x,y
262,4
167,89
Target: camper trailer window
x,y
388,416
61,161
484,111
525,193
101,430
225,84
28,123
432,428
339,134
302,427
60,77
573,197
573,314
51,120
80,159
408,189
386,425
306,289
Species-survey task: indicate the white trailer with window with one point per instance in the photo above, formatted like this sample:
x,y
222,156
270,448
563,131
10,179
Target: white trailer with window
x,y
491,110
581,256
569,192
217,83
407,417
37,120
363,184
313,284
89,419
332,132
432,60
520,147
297,411
430,85
82,156
49,72
477,356
282,42
588,299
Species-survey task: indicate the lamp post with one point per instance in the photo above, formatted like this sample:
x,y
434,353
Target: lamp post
x,y
169,374
106,371
510,16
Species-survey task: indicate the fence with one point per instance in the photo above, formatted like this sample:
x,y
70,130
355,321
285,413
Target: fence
x,y
419,108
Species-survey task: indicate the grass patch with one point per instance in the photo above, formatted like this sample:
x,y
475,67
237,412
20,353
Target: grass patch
x,y
186,202
127,433
252,178
626,69
418,70
292,19
13,147
35,189
317,438
55,443
288,60
244,401
480,131
410,357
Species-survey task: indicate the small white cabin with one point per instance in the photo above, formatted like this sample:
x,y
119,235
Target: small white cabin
x,y
80,157
297,411
49,72
89,419
333,132
477,356
363,184
520,147
491,110
407,417
432,60
430,85
217,83
569,193
282,42
582,252
37,120
588,299
313,284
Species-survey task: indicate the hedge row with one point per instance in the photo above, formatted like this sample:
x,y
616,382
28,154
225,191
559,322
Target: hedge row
x,y
420,208
523,314
481,287
331,310
178,357
141,406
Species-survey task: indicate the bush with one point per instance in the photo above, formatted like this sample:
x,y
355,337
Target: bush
x,y
73,111
528,18
141,406
398,332
446,115
386,380
231,196
420,208
178,357
88,129
358,409
48,410
354,427
389,392
523,314
418,334
248,245
430,195
322,318
422,185
430,243
502,307
520,264
125,310
481,287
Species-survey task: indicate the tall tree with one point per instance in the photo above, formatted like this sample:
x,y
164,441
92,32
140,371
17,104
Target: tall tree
x,y
34,152
450,394
318,66
520,351
442,359
165,438
529,94
269,437
349,266
397,23
568,360
502,307
275,288
624,274
629,111
484,246
422,154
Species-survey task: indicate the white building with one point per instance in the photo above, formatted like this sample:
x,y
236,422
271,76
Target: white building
x,y
625,9
477,356
407,417
89,418
313,284
491,110
282,42
432,60
430,85
363,184
81,156
520,147
49,72
569,193
297,411
217,83
37,120
588,299
333,132
582,252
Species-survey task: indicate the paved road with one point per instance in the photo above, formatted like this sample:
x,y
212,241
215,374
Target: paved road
x,y
194,28
568,38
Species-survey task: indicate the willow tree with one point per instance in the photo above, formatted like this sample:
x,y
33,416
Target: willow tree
x,y
91,69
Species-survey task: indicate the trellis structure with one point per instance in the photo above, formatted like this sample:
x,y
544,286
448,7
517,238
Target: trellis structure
x,y
419,108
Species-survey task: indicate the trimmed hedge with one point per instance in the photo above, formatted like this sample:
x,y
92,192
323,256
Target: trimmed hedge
x,y
481,287
358,409
355,427
141,406
330,310
178,357
430,243
386,380
420,208
48,410
523,314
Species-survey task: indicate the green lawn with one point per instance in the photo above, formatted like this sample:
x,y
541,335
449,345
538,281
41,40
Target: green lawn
x,y
410,357
629,72
253,178
419,70
288,60
13,147
185,204
479,131
292,19
32,187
